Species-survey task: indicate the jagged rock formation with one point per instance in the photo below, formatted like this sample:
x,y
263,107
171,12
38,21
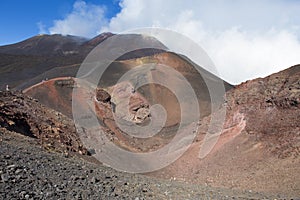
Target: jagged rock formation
x,y
26,116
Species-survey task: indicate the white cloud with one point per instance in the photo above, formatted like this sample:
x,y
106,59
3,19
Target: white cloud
x,y
42,28
241,55
245,40
84,20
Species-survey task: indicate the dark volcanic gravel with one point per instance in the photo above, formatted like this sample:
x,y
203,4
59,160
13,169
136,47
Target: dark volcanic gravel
x,y
28,171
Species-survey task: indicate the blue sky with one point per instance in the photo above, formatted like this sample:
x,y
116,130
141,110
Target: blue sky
x,y
244,40
20,18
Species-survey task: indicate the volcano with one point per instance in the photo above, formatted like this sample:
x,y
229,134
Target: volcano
x,y
257,151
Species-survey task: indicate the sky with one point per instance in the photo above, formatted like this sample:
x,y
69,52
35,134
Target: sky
x,y
244,40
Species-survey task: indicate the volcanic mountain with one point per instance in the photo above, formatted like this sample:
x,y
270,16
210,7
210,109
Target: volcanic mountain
x,y
44,57
258,149
260,145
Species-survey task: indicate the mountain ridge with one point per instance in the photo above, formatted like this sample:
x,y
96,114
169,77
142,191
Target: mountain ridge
x,y
258,149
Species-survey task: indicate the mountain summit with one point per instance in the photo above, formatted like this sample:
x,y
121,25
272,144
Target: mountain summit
x,y
258,149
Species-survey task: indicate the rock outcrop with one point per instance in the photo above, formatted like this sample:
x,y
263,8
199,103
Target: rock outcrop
x,y
27,116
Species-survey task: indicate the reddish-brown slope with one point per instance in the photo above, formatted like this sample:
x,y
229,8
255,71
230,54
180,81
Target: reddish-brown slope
x,y
22,114
259,149
55,93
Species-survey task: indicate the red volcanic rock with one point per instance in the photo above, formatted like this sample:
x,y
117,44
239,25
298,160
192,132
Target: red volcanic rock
x,y
130,104
141,114
126,105
124,102
26,116
260,140
54,93
99,38
102,95
261,132
272,110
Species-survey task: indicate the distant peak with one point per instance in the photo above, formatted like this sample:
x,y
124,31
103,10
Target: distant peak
x,y
100,38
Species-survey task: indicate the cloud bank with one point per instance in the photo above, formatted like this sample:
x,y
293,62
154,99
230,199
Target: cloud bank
x,y
244,39
41,27
85,20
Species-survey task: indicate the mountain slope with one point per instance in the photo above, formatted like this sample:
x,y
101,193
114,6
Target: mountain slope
x,y
26,116
254,153
45,45
29,59
259,148
27,171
